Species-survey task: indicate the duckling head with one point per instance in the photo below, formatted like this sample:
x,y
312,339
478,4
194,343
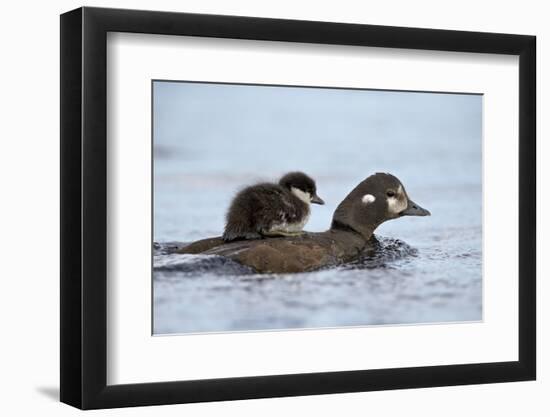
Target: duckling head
x,y
302,186
378,198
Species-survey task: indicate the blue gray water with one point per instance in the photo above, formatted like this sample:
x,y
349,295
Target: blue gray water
x,y
211,140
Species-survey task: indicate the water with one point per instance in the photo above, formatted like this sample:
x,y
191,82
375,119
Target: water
x,y
211,140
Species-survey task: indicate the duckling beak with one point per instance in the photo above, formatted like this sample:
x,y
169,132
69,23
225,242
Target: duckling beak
x,y
414,209
317,200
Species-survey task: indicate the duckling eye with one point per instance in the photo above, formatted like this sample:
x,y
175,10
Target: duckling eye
x,y
390,193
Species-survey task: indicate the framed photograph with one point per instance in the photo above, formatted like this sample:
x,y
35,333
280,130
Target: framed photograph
x,y
258,208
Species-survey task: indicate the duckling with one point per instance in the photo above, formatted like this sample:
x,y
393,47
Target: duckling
x,y
378,198
269,209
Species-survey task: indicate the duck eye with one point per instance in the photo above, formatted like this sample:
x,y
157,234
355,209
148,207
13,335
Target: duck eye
x,y
390,193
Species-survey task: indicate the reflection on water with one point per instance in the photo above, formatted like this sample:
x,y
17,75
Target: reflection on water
x,y
212,140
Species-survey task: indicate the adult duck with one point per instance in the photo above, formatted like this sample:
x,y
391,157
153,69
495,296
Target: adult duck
x,y
378,198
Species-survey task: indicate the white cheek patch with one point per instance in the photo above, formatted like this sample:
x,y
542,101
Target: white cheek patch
x,y
398,203
368,199
393,205
302,195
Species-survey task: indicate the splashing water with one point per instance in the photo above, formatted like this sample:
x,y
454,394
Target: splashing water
x,y
208,293
212,140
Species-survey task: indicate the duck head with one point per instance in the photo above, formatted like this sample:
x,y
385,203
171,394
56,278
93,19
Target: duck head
x,y
378,198
302,186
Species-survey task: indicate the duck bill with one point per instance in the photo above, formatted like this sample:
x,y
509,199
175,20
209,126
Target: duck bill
x,y
317,200
414,209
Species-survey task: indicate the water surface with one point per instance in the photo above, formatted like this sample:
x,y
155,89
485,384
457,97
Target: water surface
x,y
210,140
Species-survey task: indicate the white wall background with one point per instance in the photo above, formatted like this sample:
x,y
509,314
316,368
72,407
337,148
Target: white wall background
x,y
29,173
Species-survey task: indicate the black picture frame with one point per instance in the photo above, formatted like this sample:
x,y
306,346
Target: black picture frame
x,y
84,207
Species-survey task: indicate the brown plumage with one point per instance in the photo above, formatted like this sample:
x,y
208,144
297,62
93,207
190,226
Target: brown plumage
x,y
378,198
269,209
